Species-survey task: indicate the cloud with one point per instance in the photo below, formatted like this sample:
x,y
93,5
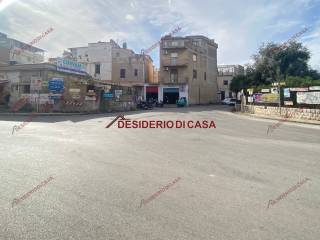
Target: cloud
x,y
5,3
129,17
239,27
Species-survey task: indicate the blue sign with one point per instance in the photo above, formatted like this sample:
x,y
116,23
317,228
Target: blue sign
x,y
108,95
56,85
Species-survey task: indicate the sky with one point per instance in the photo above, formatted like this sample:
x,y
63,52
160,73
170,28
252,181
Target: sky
x,y
239,27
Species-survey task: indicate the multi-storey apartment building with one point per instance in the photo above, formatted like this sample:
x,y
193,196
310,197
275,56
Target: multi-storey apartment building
x,y
225,75
109,63
188,68
97,57
10,52
131,69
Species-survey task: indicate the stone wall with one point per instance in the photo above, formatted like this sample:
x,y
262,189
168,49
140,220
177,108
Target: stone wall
x,y
294,113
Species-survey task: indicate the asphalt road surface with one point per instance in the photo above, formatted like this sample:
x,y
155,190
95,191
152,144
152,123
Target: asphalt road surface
x,y
69,177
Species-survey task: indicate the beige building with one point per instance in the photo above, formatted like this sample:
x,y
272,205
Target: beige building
x,y
188,68
131,69
225,75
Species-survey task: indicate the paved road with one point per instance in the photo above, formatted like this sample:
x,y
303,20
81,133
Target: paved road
x,y
75,179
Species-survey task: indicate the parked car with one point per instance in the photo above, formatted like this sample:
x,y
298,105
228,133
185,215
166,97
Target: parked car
x,y
182,102
229,101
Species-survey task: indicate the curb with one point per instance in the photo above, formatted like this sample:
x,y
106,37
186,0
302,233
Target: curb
x,y
49,114
311,122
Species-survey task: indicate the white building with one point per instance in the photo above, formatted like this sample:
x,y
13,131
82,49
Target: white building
x,y
97,57
225,75
15,52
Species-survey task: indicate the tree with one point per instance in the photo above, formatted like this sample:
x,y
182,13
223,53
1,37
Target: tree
x,y
238,82
274,63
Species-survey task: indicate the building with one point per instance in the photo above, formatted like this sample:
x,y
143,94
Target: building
x,y
225,75
61,88
188,68
107,62
15,52
97,58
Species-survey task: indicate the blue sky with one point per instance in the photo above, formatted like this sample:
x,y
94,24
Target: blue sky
x,y
239,27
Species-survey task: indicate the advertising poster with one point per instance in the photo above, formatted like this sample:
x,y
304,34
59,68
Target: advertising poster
x,y
308,97
270,98
257,97
286,92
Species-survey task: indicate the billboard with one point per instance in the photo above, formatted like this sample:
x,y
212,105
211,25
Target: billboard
x,y
308,97
270,98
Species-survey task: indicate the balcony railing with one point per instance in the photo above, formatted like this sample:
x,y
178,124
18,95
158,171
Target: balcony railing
x,y
175,63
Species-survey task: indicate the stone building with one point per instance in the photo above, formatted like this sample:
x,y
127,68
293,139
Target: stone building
x,y
225,75
188,68
43,85
109,63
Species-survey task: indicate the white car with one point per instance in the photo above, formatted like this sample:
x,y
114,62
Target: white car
x,y
229,101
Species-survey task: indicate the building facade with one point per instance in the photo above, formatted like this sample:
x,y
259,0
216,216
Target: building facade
x,y
97,57
225,75
109,63
43,85
129,68
188,68
16,52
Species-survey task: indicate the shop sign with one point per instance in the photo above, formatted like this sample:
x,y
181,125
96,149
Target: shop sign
x,y
288,103
108,95
88,98
117,93
265,90
70,66
74,90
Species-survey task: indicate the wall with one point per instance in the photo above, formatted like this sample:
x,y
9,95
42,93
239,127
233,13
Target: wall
x,y
96,53
295,113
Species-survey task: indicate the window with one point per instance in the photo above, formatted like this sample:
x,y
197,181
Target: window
x,y
194,74
26,89
230,94
205,76
174,44
174,76
136,72
118,54
194,57
122,73
174,55
97,68
225,82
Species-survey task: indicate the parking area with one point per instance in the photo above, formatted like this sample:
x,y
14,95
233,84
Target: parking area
x,y
111,183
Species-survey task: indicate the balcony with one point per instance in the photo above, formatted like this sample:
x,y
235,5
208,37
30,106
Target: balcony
x,y
174,63
173,45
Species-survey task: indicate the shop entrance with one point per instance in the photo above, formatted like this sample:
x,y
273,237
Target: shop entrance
x,y
170,95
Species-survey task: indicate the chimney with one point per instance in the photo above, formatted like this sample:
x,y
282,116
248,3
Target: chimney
x,y
124,45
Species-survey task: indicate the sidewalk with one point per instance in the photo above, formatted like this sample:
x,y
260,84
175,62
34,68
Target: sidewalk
x,y
313,122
